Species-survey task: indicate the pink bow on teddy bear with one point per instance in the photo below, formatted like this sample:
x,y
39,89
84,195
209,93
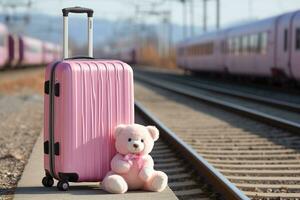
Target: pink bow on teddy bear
x,y
132,167
130,158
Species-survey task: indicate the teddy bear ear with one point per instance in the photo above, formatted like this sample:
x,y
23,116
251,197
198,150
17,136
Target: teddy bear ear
x,y
154,132
119,128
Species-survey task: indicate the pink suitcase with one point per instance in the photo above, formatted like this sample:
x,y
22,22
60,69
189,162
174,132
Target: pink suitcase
x,y
85,99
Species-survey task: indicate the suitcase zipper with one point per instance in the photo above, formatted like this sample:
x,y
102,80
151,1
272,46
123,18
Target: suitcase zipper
x,y
51,122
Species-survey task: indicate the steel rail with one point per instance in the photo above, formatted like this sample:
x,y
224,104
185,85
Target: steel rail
x,y
243,95
219,182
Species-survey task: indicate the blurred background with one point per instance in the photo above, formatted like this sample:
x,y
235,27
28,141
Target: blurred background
x,y
151,27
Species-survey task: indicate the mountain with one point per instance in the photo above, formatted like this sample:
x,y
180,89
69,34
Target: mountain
x,y
49,28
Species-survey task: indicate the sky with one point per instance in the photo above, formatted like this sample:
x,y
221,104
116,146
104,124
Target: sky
x,y
232,11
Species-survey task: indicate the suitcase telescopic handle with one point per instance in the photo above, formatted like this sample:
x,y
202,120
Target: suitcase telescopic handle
x,y
77,9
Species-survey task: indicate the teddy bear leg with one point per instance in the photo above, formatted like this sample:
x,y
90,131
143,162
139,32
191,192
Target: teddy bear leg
x,y
158,182
115,184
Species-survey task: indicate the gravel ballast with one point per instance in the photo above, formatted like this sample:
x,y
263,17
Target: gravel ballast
x,y
21,122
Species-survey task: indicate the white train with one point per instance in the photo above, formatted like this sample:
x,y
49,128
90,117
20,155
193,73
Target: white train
x,y
266,48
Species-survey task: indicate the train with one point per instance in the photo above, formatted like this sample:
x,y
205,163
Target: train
x,y
268,48
21,51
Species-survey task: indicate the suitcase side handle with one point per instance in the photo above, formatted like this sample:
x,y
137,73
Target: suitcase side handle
x,y
66,12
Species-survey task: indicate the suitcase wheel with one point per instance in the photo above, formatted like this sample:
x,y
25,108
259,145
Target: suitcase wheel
x,y
48,181
63,185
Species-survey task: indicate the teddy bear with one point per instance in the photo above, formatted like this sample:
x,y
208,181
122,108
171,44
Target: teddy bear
x,y
132,168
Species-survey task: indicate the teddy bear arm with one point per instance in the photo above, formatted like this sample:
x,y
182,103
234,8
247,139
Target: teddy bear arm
x,y
118,165
148,162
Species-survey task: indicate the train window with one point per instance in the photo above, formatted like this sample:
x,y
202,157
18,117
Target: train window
x,y
249,43
181,51
232,46
211,48
253,43
189,50
224,47
241,45
229,46
297,38
285,39
236,46
201,49
2,39
264,42
208,47
259,43
33,48
245,44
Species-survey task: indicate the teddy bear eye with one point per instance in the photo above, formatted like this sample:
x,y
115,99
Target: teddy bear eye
x,y
129,139
142,140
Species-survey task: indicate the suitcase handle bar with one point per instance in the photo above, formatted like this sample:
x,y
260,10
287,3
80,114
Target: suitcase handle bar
x,y
89,12
77,9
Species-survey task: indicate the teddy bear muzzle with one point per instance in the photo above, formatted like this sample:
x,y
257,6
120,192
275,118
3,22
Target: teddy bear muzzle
x,y
135,146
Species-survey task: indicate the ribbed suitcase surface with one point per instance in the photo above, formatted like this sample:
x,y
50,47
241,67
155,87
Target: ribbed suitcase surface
x,y
90,97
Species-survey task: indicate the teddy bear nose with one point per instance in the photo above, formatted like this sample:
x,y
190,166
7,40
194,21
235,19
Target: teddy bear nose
x,y
135,145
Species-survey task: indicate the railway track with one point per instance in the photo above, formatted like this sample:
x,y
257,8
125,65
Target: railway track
x,y
261,161
183,165
286,104
276,113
